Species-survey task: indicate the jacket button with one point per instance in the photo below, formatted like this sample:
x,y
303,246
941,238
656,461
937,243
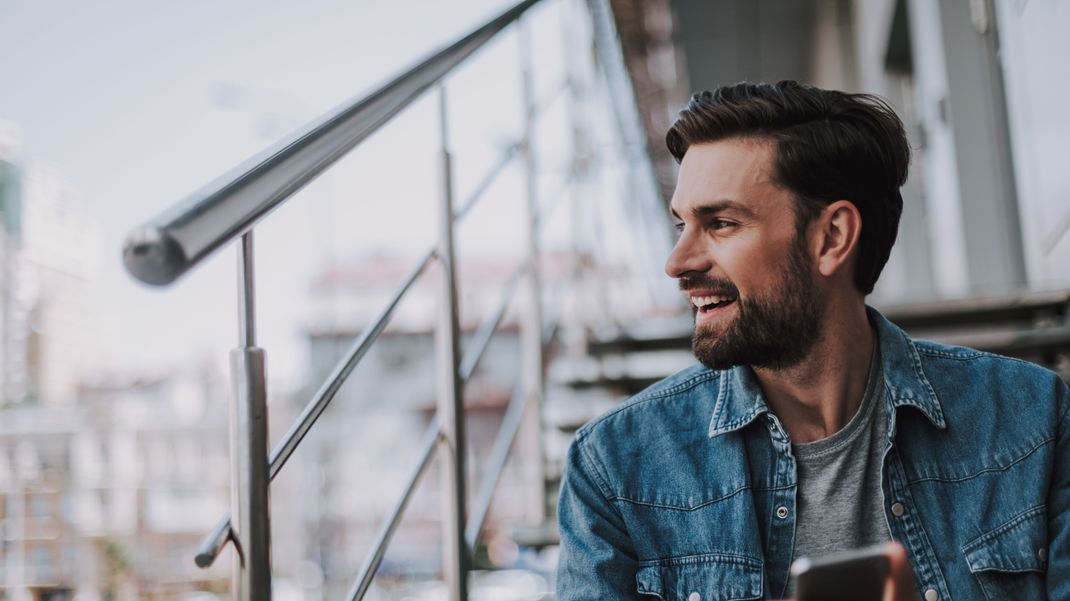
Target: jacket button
x,y
1042,554
694,597
782,512
898,510
931,595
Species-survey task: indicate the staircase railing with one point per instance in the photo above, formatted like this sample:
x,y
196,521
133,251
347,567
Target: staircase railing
x,y
227,209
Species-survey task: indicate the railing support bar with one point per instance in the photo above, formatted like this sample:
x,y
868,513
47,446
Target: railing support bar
x,y
499,454
386,531
213,544
481,340
246,292
532,369
248,447
450,400
341,372
492,174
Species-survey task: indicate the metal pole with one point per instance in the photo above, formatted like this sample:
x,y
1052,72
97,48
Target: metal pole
x,y
578,79
450,401
532,371
250,524
175,241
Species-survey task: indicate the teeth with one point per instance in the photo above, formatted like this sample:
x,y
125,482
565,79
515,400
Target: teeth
x,y
702,301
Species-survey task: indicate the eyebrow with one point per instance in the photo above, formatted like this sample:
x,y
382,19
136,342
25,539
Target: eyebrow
x,y
715,207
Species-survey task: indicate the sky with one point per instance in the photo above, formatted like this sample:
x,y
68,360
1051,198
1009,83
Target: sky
x,y
134,105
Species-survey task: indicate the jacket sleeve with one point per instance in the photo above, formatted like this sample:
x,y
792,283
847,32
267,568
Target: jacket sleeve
x,y
597,559
1058,575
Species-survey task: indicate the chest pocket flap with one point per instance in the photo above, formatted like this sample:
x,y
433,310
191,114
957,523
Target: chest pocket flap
x,y
1009,561
712,577
1017,546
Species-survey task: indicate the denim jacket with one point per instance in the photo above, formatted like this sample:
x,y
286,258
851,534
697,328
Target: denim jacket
x,y
687,491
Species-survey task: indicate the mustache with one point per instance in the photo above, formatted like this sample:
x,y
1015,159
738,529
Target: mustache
x,y
719,286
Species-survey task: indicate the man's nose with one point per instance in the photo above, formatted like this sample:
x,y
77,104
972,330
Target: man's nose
x,y
686,257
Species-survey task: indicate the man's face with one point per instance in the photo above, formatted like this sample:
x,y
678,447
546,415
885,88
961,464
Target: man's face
x,y
747,274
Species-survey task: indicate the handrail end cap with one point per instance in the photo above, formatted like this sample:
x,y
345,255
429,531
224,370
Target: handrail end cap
x,y
151,254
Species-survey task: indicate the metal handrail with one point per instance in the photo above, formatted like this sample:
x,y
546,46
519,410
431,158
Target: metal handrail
x,y
502,444
177,240
514,413
164,248
503,441
213,544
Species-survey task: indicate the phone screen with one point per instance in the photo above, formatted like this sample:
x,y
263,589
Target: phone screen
x,y
857,575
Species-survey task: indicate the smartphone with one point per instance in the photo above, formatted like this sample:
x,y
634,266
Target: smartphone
x,y
857,575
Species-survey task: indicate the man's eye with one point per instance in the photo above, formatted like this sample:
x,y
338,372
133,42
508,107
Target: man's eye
x,y
720,224
679,226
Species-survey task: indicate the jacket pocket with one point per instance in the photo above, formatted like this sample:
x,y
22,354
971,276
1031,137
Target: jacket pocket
x,y
713,577
1009,561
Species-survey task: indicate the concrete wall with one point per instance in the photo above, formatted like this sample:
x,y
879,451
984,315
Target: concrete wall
x,y
1033,52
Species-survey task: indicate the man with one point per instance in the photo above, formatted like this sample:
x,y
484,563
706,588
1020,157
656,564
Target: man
x,y
813,424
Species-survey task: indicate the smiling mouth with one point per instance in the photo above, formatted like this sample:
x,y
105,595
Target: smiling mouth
x,y
705,304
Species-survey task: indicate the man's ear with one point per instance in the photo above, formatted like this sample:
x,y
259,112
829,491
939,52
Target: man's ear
x,y
839,229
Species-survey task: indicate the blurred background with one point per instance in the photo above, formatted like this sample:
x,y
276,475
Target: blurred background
x,y
113,394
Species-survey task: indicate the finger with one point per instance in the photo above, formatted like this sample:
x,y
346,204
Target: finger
x,y
900,584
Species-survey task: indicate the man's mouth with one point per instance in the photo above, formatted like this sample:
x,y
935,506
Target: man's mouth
x,y
705,304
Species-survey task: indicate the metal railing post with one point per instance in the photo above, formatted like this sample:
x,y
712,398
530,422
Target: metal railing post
x,y
577,78
532,370
450,400
250,524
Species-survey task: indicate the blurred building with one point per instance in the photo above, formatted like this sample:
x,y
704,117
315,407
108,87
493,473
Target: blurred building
x,y
14,304
351,468
59,254
108,499
50,336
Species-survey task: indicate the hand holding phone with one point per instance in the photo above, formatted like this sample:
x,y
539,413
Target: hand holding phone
x,y
879,573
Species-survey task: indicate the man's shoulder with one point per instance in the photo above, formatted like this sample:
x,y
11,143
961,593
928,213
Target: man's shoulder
x,y
939,356
959,373
667,401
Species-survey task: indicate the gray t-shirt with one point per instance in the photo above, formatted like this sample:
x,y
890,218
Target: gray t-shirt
x,y
839,499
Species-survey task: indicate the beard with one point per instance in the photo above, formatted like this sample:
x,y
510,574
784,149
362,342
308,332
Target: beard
x,y
774,331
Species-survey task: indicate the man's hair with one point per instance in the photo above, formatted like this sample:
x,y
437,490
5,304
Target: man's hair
x,y
829,146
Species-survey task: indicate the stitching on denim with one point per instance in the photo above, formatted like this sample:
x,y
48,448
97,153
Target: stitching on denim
x,y
641,398
986,470
1066,403
976,354
687,384
685,560
999,530
722,397
695,507
915,528
947,355
590,467
739,423
681,507
966,355
919,371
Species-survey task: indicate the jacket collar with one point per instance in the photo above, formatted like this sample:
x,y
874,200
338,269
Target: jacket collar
x,y
740,400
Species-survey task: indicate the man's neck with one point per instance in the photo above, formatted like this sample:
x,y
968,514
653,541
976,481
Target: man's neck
x,y
817,397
